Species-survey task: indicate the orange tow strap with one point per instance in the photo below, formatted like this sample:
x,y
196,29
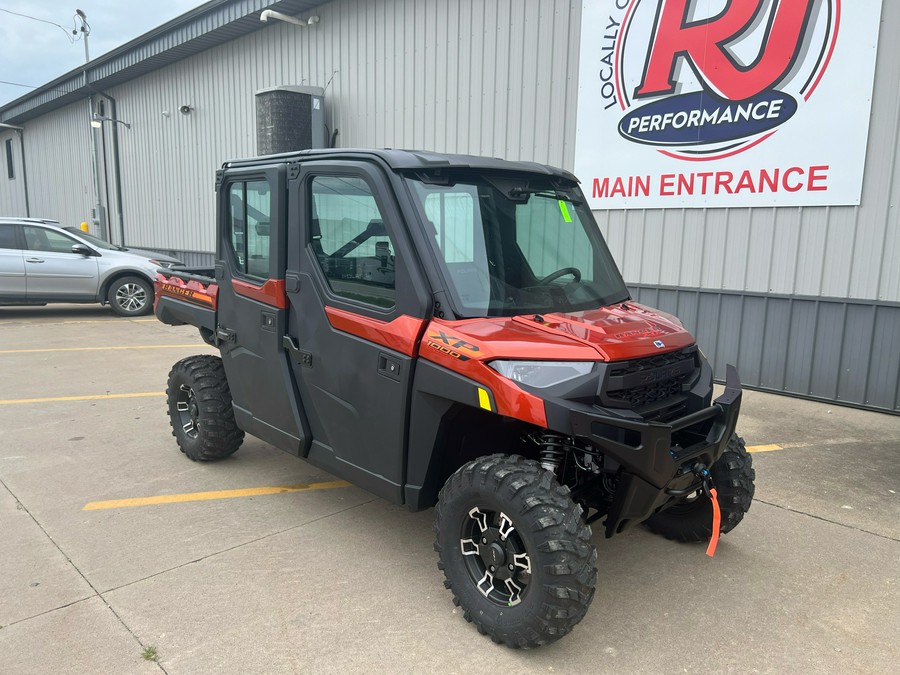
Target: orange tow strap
x,y
717,521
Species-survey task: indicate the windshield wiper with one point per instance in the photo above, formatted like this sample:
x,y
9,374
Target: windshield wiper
x,y
522,194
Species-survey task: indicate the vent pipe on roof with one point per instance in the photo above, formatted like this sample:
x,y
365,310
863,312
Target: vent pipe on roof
x,y
272,14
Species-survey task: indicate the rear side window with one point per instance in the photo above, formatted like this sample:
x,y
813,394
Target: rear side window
x,y
8,236
350,240
49,241
249,211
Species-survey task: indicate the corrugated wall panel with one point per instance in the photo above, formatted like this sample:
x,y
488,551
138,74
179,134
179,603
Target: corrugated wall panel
x,y
12,190
838,252
59,165
883,387
496,78
828,349
448,75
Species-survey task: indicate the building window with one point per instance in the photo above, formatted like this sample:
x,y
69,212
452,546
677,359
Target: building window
x,y
10,167
351,242
249,211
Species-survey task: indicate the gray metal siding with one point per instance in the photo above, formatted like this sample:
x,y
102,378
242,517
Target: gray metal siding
x,y
58,153
12,193
823,348
467,76
841,252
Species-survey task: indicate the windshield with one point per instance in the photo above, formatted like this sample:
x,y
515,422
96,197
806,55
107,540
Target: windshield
x,y
96,241
510,246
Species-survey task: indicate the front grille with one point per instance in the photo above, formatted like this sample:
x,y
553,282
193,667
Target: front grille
x,y
645,382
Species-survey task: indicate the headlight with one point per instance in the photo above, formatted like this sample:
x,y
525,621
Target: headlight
x,y
542,374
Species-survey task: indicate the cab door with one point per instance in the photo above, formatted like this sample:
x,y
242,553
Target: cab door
x,y
252,306
357,307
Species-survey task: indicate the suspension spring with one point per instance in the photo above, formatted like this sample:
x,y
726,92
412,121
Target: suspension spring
x,y
553,451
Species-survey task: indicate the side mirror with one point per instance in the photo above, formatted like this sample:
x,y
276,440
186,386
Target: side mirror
x,y
82,249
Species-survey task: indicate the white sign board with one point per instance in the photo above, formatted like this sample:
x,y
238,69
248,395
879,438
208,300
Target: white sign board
x,y
712,103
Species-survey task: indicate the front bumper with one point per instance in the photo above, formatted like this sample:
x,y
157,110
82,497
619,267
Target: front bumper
x,y
657,459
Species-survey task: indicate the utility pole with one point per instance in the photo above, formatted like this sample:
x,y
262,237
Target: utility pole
x,y
98,216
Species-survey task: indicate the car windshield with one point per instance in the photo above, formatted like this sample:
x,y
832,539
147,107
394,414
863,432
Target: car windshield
x,y
516,244
96,241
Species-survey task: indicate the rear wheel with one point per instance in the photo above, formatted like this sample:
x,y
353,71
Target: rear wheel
x,y
691,519
200,409
130,296
515,551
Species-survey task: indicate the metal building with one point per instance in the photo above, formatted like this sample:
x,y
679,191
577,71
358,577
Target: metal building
x,y
805,300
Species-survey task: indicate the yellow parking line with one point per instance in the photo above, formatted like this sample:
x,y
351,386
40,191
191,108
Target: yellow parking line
x,y
97,397
764,448
205,496
96,349
14,322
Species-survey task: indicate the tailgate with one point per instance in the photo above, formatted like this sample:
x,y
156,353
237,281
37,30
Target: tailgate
x,y
182,298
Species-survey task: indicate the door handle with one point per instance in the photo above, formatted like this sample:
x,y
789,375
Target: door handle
x,y
34,260
301,358
389,367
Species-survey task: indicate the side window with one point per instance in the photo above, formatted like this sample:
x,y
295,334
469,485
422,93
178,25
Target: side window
x,y
8,237
351,242
50,241
249,209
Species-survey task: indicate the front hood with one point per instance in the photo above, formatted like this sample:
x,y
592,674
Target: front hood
x,y
616,333
145,253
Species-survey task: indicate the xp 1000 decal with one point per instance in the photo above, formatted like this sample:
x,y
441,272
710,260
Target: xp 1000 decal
x,y
724,102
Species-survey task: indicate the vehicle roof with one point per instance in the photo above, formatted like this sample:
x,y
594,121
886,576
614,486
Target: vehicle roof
x,y
37,221
400,160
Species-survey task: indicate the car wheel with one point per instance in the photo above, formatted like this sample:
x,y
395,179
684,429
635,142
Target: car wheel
x,y
200,409
131,296
515,551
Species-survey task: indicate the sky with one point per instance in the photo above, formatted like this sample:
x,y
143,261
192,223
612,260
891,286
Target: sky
x,y
33,53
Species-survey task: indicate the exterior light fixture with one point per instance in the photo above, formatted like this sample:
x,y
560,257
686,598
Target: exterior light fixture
x,y
272,14
98,120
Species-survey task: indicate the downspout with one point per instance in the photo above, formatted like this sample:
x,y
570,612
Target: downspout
x,y
117,167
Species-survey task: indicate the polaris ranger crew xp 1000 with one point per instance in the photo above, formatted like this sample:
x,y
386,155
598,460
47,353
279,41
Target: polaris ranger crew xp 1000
x,y
452,331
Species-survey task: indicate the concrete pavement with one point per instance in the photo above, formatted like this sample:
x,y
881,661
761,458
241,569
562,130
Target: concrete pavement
x,y
335,580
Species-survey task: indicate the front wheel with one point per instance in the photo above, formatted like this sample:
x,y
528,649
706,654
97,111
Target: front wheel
x,y
691,519
515,551
130,296
200,409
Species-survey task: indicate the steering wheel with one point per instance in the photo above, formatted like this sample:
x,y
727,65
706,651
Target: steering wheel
x,y
550,278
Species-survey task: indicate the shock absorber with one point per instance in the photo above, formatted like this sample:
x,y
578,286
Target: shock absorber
x,y
553,451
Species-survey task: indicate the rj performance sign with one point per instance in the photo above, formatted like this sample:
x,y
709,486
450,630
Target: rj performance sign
x,y
699,103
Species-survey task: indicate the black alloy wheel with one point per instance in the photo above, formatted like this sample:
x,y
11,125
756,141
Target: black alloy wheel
x,y
495,556
188,410
515,550
200,409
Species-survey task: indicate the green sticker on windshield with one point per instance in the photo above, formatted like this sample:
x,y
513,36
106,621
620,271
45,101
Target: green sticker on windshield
x,y
564,210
